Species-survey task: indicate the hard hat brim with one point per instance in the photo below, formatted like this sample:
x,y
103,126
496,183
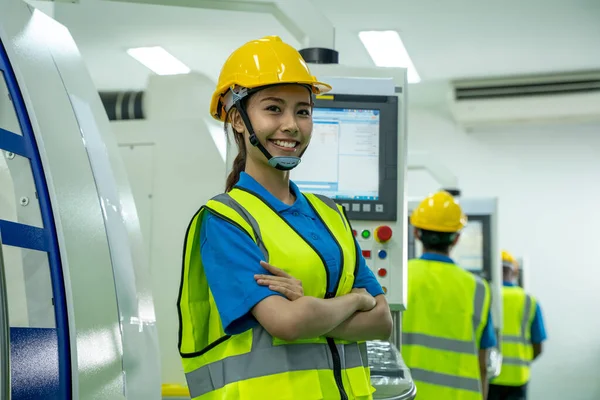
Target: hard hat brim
x,y
217,111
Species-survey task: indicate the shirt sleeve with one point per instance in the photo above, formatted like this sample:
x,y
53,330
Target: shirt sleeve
x,y
538,330
488,338
365,279
231,259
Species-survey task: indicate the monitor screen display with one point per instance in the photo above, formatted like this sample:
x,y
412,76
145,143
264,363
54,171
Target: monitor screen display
x,y
468,252
342,161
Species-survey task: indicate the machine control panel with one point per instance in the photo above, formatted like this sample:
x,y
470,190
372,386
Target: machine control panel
x,y
381,246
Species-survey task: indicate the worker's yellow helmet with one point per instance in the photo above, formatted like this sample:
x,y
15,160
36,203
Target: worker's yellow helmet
x,y
508,260
262,62
439,212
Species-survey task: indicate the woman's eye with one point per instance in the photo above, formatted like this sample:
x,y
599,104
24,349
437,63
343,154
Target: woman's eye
x,y
273,108
304,112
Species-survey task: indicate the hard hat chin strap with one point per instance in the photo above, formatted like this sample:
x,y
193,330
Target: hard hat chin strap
x,y
281,163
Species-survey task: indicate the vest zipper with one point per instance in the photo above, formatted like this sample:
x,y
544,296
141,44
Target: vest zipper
x,y
337,368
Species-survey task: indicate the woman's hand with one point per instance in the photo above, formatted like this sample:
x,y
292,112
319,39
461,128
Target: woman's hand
x,y
367,302
280,282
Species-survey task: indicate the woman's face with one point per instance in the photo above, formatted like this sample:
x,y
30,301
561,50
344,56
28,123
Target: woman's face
x,y
282,120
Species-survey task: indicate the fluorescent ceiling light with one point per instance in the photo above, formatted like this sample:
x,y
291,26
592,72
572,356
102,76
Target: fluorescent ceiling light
x,y
158,60
387,50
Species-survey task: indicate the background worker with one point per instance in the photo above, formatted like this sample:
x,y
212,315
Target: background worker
x,y
447,328
522,336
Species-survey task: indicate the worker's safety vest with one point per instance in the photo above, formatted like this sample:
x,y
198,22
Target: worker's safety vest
x,y
517,351
447,311
253,364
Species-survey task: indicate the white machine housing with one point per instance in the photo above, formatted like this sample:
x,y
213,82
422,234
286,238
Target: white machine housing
x,y
110,323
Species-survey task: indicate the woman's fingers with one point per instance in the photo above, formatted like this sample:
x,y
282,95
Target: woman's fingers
x,y
289,287
289,294
274,270
277,278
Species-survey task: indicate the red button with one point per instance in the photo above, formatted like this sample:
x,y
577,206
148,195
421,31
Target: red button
x,y
382,272
354,232
383,233
366,253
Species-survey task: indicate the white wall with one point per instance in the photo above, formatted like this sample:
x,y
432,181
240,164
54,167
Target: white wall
x,y
546,179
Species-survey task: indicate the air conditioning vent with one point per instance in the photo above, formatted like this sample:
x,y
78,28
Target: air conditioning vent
x,y
535,89
527,100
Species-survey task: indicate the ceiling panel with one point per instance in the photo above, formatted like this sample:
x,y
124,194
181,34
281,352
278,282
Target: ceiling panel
x,y
200,38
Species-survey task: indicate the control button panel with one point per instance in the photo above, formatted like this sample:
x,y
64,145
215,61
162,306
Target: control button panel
x,y
381,247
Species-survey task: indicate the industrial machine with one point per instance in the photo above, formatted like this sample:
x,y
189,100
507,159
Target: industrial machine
x,y
76,311
477,251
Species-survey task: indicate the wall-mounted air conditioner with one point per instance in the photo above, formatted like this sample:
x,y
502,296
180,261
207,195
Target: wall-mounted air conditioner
x,y
526,100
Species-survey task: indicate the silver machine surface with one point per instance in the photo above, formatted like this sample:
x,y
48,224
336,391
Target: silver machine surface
x,y
81,321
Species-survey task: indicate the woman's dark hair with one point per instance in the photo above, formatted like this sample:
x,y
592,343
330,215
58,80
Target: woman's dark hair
x,y
437,241
239,164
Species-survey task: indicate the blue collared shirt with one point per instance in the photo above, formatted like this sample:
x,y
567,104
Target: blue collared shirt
x,y
231,258
488,337
538,329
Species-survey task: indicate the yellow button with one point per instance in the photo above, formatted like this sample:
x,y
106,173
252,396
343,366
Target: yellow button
x,y
384,289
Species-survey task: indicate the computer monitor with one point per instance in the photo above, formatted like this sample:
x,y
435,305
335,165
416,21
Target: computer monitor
x,y
353,155
473,250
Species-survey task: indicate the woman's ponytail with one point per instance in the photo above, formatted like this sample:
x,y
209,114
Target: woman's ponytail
x,y
239,164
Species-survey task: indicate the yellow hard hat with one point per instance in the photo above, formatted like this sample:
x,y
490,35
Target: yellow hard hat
x,y
262,62
508,260
439,212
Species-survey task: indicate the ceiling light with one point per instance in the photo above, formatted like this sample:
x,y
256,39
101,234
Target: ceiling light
x,y
158,60
387,50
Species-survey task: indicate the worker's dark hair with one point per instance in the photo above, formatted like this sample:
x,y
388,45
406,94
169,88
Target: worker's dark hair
x,y
239,164
437,241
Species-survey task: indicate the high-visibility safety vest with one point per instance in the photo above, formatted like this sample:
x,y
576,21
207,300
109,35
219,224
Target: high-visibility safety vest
x,y
517,351
253,364
441,330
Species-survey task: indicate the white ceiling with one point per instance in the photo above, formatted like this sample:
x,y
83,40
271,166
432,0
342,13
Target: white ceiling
x,y
446,40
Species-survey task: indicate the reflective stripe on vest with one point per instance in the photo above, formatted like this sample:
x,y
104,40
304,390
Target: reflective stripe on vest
x,y
442,355
229,201
273,360
451,381
213,360
516,348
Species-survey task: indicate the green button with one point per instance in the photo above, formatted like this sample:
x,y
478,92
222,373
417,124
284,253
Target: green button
x,y
366,234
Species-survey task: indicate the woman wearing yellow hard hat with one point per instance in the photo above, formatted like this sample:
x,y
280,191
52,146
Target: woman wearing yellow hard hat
x,y
447,327
523,333
276,300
